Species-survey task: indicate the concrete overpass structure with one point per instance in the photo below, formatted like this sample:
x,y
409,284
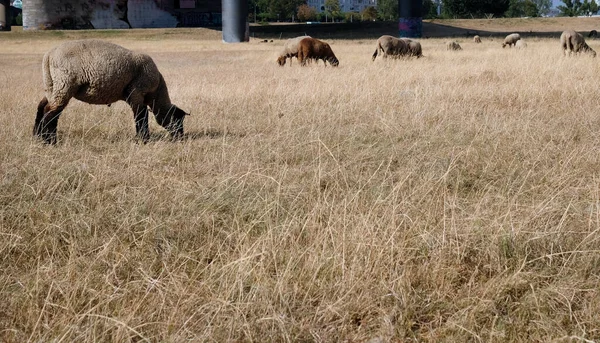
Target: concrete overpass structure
x,y
231,15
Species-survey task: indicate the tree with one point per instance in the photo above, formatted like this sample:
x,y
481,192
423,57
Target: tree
x,y
474,8
387,9
522,8
429,9
369,14
570,8
306,13
543,6
332,8
589,8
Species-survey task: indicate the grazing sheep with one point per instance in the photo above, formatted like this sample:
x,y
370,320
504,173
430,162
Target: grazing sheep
x,y
520,44
414,47
397,47
511,39
572,41
390,46
314,49
593,34
477,39
453,46
99,72
290,50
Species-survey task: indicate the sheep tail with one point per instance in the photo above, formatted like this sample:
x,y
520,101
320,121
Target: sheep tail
x,y
46,74
377,50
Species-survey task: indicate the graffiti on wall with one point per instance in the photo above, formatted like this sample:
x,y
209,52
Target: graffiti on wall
x,y
122,14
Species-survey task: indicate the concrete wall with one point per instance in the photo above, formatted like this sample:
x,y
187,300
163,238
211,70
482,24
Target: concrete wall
x,y
119,14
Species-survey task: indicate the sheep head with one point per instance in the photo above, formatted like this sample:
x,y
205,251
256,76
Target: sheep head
x,y
281,60
172,120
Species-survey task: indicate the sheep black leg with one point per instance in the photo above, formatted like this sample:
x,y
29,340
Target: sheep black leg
x,y
37,128
49,123
141,123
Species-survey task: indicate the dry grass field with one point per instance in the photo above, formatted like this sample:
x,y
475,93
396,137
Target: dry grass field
x,y
452,198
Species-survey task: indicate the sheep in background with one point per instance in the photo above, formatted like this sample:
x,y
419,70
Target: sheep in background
x,y
453,46
290,50
414,47
390,46
573,42
99,72
511,39
593,34
314,49
520,44
476,39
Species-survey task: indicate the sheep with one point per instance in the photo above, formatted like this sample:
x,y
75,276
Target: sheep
x,y
390,46
572,41
520,44
511,39
311,48
453,46
290,50
476,39
414,47
396,47
98,72
593,34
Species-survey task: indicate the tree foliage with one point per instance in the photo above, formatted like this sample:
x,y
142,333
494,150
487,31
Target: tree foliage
x,y
271,10
570,8
429,9
589,7
543,6
522,8
333,8
474,8
387,9
306,13
369,13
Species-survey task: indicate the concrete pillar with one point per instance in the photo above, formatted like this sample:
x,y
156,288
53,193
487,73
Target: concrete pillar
x,y
234,15
5,17
411,18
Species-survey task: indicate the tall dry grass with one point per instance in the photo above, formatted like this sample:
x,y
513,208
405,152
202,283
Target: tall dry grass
x,y
453,198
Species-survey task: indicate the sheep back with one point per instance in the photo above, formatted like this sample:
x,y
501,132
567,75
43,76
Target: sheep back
x,y
520,44
511,39
290,49
573,42
311,48
96,72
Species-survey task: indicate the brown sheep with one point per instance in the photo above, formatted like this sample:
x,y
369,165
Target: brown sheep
x,y
290,50
314,49
477,39
511,39
572,41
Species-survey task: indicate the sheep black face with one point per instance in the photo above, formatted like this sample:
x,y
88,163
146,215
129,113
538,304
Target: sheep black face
x,y
172,121
334,62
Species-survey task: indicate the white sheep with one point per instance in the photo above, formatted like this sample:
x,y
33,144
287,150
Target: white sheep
x,y
520,44
477,39
573,42
453,45
99,72
511,39
290,50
